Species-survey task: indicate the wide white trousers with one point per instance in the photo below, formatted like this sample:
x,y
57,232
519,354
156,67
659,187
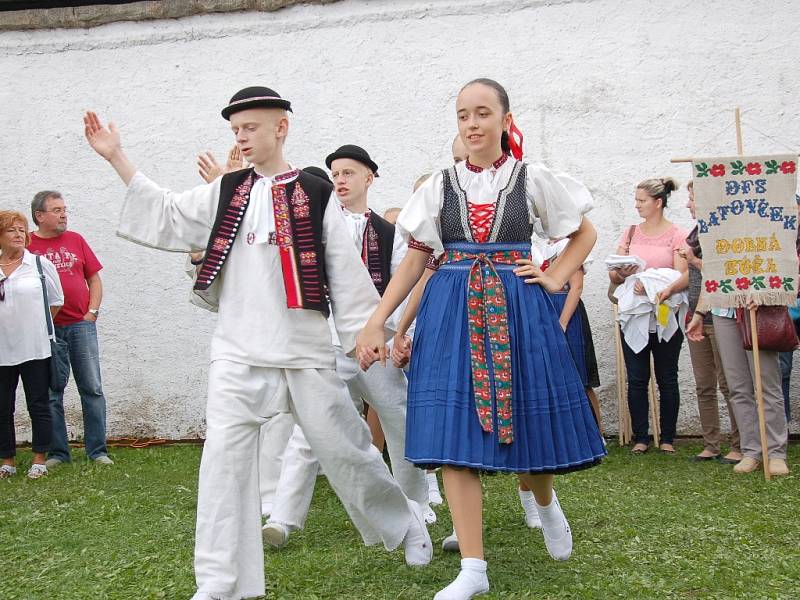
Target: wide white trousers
x,y
275,435
229,560
384,389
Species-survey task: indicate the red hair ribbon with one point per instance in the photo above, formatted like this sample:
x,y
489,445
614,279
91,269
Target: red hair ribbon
x,y
515,139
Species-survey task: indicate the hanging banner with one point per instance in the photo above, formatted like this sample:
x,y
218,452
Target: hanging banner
x,y
747,225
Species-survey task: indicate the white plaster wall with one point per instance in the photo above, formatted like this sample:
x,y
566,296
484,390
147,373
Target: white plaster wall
x,y
606,90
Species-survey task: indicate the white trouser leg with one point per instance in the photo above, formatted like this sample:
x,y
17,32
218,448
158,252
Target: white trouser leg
x,y
296,485
385,389
228,549
341,441
275,435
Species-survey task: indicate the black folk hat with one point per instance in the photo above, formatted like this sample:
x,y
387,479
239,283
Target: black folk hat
x,y
312,170
255,97
353,152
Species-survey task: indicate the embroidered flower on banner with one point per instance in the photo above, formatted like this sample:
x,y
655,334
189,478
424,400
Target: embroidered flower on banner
x,y
742,283
754,168
717,170
711,286
775,282
787,167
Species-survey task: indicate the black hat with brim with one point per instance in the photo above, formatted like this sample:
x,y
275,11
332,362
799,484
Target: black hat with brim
x,y
255,97
355,153
317,172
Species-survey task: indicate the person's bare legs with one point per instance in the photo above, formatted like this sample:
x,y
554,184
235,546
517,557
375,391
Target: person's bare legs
x,y
595,402
378,439
465,497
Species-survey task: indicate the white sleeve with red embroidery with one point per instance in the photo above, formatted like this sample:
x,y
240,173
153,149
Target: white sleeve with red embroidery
x,y
159,218
419,219
353,295
557,200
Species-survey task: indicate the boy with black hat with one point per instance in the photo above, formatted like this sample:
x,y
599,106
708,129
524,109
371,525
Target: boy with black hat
x,y
268,352
383,389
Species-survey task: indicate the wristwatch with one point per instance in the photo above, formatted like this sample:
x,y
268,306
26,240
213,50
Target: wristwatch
x,y
95,312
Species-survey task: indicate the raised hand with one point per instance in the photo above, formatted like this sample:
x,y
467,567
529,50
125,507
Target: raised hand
x,y
105,141
235,161
208,167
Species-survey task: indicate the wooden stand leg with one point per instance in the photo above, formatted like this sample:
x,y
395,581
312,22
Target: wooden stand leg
x,y
654,408
762,426
623,417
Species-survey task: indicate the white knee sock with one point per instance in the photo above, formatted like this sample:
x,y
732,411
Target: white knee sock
x,y
434,495
528,502
471,581
557,534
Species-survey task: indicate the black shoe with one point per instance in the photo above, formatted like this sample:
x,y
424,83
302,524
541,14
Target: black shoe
x,y
699,458
728,461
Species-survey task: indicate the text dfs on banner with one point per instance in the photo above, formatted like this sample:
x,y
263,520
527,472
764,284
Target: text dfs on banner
x,y
747,224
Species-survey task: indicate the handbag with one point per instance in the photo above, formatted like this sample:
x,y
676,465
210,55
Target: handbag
x,y
776,331
612,287
59,351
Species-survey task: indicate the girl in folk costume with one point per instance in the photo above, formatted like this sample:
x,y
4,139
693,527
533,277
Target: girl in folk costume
x,y
493,387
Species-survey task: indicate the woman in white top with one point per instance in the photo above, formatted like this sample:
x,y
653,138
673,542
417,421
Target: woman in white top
x,y
24,343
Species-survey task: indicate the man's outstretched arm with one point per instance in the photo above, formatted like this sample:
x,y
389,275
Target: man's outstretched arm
x,y
106,142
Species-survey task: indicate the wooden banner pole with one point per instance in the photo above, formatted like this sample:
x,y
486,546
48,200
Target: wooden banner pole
x,y
654,408
762,427
620,381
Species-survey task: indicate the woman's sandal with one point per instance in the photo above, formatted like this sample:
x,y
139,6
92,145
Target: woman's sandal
x,y
36,471
639,449
7,471
669,450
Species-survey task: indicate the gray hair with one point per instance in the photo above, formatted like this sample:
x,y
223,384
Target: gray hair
x,y
39,201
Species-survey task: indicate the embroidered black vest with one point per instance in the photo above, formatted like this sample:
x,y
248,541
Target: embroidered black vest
x,y
378,245
512,221
299,207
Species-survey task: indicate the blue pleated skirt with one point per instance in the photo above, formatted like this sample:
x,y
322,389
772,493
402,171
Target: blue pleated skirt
x,y
574,335
554,429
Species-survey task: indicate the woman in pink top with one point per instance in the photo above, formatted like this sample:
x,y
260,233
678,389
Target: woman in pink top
x,y
656,241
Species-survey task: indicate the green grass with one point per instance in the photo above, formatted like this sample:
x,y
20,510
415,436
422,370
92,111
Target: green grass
x,y
649,526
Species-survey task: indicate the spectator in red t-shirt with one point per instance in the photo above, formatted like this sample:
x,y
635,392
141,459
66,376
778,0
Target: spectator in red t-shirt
x,y
79,271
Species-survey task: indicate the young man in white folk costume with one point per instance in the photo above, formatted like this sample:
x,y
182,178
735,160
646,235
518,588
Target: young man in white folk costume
x,y
271,349
384,389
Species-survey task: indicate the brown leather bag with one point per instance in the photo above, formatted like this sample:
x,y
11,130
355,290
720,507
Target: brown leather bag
x,y
775,329
613,286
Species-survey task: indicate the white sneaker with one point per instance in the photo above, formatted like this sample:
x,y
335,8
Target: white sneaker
x,y
103,460
417,543
430,516
7,471
471,581
53,462
36,471
275,534
557,534
450,543
434,495
532,519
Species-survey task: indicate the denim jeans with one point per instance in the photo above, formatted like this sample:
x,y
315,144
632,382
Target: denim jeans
x,y
786,375
84,359
637,365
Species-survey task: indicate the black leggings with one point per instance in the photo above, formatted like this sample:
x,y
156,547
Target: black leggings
x,y
35,381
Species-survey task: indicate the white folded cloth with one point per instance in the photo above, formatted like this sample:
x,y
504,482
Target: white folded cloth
x,y
637,313
615,261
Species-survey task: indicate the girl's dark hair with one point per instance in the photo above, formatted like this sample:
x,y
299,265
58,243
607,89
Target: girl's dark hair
x,y
502,95
659,188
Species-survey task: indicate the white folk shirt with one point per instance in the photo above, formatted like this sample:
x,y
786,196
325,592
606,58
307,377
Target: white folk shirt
x,y
23,328
556,201
255,327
